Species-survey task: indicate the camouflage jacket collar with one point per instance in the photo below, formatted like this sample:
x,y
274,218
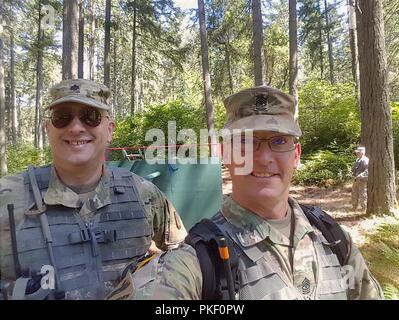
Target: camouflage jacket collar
x,y
251,229
59,194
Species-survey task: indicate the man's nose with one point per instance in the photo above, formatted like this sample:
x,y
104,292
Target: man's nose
x,y
264,153
76,125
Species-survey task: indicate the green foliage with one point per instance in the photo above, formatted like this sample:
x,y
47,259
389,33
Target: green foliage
x,y
390,292
324,168
219,113
19,157
382,252
395,128
328,115
131,131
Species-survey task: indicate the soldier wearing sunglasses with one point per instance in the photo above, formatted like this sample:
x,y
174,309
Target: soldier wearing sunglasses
x,y
262,244
67,230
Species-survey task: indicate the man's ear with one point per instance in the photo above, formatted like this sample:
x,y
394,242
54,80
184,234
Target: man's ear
x,y
46,124
111,129
298,152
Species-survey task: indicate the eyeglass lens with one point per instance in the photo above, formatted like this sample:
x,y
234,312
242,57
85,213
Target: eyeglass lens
x,y
89,116
282,143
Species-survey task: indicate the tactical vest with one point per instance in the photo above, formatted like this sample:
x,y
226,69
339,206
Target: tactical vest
x,y
89,257
261,278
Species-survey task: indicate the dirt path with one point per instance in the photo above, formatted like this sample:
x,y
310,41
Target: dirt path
x,y
336,202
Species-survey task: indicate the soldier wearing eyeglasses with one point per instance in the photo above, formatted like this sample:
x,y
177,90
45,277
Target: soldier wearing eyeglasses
x,y
76,224
278,253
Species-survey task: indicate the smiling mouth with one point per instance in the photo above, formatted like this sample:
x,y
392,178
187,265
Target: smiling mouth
x,y
262,174
77,142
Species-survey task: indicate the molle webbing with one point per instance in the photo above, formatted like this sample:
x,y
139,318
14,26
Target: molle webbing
x,y
86,253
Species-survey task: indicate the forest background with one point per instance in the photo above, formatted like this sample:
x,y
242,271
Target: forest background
x,y
166,62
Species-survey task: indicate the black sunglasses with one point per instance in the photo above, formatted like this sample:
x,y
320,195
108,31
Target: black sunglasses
x,y
89,116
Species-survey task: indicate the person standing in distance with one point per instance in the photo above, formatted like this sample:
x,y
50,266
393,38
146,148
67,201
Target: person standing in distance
x,y
360,175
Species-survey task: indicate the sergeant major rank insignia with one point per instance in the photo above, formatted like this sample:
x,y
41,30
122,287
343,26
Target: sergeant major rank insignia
x,y
75,87
261,104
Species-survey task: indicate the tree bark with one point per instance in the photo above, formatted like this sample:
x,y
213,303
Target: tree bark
x,y
257,30
14,115
81,40
228,63
206,78
92,37
70,40
115,80
330,49
3,143
133,85
107,44
39,85
376,116
320,27
293,58
354,52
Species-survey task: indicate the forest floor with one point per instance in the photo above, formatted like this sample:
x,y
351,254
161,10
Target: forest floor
x,y
365,230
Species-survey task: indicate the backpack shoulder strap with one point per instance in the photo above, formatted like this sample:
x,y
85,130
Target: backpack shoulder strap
x,y
331,230
202,237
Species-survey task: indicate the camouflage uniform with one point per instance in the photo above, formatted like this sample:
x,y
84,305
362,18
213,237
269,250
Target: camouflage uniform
x,y
360,175
177,274
135,210
274,262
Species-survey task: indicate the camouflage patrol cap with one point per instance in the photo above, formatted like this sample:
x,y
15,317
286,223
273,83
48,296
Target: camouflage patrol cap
x,y
262,108
80,91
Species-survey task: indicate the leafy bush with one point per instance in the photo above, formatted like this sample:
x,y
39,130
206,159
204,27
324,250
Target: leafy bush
x,y
395,127
324,168
19,157
131,131
327,114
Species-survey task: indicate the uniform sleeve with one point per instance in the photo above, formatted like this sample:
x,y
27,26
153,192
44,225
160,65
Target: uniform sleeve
x,y
174,275
362,284
168,228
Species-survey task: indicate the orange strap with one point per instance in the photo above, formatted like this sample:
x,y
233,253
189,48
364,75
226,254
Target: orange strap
x,y
224,253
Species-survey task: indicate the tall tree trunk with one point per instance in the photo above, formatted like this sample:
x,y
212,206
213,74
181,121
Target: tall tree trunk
x,y
228,63
115,80
3,143
14,115
107,44
70,40
81,40
206,78
18,116
330,49
293,58
133,85
376,112
320,27
92,38
257,30
39,84
353,46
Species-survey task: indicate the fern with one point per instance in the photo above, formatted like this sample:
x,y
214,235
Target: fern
x,y
390,292
382,253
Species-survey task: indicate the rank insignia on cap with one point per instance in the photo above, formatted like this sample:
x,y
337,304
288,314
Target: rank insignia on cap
x,y
75,87
261,103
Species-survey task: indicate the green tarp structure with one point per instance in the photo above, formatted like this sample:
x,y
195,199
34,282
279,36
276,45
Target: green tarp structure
x,y
194,189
